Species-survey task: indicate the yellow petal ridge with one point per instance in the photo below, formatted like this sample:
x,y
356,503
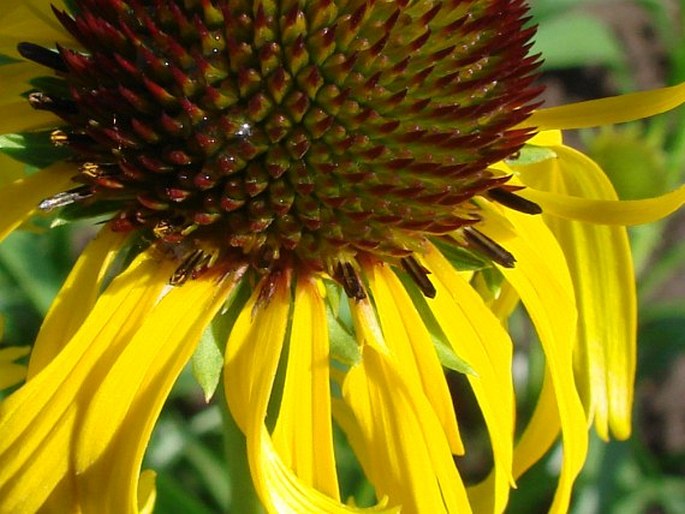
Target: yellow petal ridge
x,y
303,435
404,329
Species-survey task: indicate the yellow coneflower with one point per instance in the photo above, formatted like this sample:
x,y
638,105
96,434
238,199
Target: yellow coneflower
x,y
325,158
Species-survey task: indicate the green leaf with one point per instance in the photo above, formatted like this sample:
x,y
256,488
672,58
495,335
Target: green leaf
x,y
207,363
32,148
449,359
344,346
208,360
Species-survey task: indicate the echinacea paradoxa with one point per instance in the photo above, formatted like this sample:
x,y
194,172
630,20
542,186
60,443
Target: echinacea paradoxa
x,y
341,174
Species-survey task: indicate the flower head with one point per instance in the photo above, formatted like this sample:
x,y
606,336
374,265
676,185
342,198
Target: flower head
x,y
342,175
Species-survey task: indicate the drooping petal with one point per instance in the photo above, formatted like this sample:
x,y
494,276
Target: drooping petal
x,y
12,373
38,423
303,435
477,336
409,339
20,199
126,398
252,354
608,111
253,349
542,280
538,437
601,267
607,212
394,430
76,298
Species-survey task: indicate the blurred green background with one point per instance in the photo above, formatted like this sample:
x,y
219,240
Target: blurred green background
x,y
592,48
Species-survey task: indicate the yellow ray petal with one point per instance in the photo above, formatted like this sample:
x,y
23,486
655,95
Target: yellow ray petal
x,y
11,170
505,303
477,336
547,138
253,347
608,111
602,271
542,280
12,373
252,354
537,438
125,399
398,438
406,334
38,423
303,434
16,77
19,116
31,20
20,199
76,298
541,431
607,212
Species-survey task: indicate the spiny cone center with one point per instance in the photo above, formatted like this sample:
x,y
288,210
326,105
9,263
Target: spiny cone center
x,y
313,130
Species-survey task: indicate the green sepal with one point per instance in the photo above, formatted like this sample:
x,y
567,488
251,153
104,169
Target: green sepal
x,y
32,148
531,154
